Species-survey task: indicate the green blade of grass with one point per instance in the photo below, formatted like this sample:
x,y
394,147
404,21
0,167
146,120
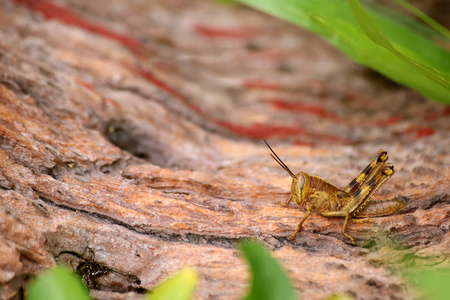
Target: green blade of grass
x,y
179,287
269,282
58,283
334,20
418,13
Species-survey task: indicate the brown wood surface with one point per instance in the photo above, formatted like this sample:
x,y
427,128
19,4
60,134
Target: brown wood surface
x,y
134,129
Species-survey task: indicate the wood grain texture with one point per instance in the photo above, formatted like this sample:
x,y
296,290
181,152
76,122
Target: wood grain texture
x,y
134,129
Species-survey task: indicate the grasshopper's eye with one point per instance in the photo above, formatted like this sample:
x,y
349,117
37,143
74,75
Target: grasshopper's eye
x,y
300,185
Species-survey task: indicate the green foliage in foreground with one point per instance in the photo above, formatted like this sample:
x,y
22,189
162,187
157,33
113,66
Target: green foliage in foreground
x,y
269,282
268,279
375,37
433,282
56,284
179,287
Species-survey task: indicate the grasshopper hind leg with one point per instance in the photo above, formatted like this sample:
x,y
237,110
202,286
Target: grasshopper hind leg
x,y
365,191
344,229
370,171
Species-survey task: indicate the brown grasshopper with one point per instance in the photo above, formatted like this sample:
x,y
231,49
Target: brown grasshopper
x,y
351,202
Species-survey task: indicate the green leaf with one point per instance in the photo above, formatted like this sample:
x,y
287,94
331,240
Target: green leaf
x,y
58,283
434,283
405,55
179,287
376,34
269,282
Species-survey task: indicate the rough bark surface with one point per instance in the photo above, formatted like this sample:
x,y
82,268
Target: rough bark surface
x,y
133,129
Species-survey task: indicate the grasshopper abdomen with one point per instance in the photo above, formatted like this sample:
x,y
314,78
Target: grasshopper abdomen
x,y
381,208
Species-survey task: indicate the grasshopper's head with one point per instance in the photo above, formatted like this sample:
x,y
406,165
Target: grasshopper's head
x,y
300,181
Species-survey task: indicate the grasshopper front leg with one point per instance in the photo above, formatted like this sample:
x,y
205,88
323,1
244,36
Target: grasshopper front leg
x,y
284,203
309,209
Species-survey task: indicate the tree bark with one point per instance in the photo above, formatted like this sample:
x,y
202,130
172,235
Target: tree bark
x,y
130,139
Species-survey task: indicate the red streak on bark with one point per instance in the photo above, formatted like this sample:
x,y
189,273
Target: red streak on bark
x,y
420,132
432,116
91,88
65,15
425,131
447,111
85,85
112,102
303,108
168,89
388,121
303,143
259,131
224,33
261,84
159,83
437,115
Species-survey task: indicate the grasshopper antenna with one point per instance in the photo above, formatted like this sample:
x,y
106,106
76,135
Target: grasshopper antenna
x,y
278,160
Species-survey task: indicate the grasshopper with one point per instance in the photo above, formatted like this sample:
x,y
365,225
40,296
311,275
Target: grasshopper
x,y
351,202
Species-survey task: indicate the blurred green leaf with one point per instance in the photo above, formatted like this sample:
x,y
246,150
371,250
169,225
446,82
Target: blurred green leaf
x,y
340,297
376,34
179,287
56,284
225,1
334,20
434,283
269,282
